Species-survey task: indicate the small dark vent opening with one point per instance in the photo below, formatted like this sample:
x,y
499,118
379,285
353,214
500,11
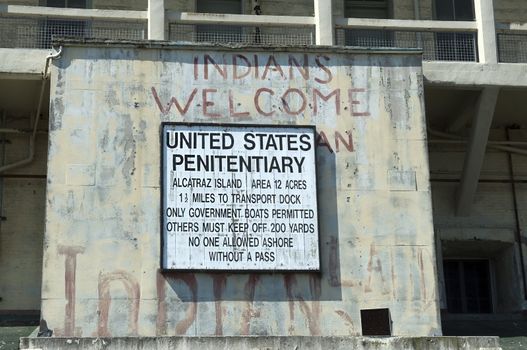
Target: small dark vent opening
x,y
376,322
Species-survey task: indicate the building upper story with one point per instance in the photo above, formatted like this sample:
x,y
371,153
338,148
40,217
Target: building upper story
x,y
464,42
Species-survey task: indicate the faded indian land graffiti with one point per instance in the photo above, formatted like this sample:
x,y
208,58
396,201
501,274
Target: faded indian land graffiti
x,y
102,258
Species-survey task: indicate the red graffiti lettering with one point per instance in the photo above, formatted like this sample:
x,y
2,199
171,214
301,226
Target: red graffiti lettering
x,y
326,98
375,267
218,286
173,101
311,313
190,280
322,141
161,321
232,112
348,320
339,138
353,102
303,70
325,69
333,263
286,104
70,269
236,65
132,289
257,101
277,68
207,103
223,71
249,312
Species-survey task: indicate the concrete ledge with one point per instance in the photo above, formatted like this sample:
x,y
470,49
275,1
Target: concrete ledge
x,y
261,343
475,74
22,63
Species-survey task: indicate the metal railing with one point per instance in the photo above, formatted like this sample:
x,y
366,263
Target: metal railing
x,y
36,27
20,32
512,48
436,46
248,35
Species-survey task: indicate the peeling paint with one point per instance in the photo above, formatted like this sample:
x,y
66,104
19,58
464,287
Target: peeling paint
x,y
103,192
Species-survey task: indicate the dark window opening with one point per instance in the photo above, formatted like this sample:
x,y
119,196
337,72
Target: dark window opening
x,y
454,10
219,33
78,4
455,46
468,288
367,9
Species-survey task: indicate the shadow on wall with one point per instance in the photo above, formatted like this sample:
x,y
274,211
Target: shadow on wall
x,y
215,286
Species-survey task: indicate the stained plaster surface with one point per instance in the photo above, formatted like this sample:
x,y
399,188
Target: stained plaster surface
x,y
101,273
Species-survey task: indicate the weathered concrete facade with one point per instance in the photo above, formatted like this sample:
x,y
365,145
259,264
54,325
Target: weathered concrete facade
x,y
102,242
228,343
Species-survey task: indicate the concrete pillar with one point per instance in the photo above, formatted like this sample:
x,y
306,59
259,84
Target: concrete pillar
x,y
476,149
156,20
324,22
487,47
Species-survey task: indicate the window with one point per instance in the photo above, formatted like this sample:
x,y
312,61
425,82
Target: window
x,y
51,28
467,286
78,4
367,9
219,33
455,46
454,10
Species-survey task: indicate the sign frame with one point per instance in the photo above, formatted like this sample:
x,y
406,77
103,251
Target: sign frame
x,y
162,175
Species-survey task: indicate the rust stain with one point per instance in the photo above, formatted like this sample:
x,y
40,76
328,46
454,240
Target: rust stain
x,y
289,282
218,285
161,321
334,276
190,280
348,320
134,294
421,272
312,314
249,312
392,271
374,267
70,269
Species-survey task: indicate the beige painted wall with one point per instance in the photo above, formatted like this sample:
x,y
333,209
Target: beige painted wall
x,y
101,259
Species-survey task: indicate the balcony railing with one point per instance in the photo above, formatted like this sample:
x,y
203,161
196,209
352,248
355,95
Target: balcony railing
x,y
439,40
512,42
36,27
39,33
512,48
436,46
248,35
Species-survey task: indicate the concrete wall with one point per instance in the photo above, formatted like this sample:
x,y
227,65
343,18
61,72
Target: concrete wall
x,y
101,257
510,11
96,4
490,231
505,10
308,343
274,7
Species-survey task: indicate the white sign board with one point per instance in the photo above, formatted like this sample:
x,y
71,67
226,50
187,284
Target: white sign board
x,y
239,198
